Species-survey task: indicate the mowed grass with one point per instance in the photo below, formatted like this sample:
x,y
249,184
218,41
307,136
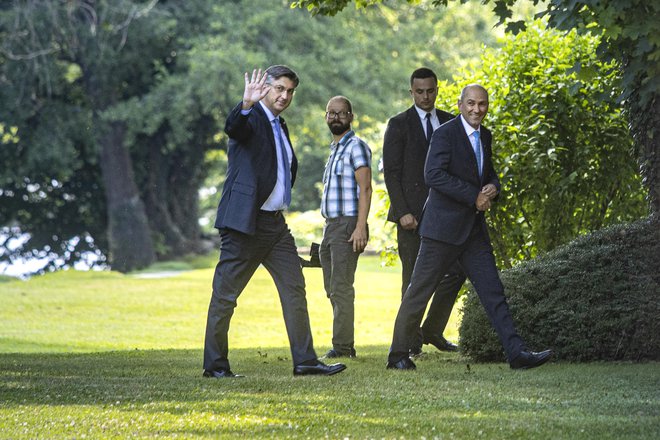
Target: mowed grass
x,y
105,355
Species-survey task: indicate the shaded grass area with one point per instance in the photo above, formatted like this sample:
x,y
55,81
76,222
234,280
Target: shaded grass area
x,y
160,393
105,355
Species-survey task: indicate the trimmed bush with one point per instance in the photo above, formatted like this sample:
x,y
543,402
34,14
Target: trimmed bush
x,y
596,298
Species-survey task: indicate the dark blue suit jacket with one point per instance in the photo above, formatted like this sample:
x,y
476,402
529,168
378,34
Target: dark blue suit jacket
x,y
452,176
251,168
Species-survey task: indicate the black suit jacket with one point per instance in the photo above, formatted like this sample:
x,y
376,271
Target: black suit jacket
x,y
251,168
452,176
404,153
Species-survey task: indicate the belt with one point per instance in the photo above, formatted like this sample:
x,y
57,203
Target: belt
x,y
270,213
340,218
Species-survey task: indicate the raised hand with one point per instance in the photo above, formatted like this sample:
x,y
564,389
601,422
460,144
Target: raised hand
x,y
255,88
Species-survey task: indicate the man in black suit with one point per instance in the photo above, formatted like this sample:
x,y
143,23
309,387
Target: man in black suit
x,y
459,171
404,151
260,173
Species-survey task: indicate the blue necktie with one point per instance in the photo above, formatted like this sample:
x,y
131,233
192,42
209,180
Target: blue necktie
x,y
285,163
429,127
477,150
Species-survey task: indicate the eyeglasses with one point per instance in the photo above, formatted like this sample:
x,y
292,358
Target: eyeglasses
x,y
281,89
333,115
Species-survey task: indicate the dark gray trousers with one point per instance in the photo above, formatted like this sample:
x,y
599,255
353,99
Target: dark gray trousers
x,y
339,263
240,255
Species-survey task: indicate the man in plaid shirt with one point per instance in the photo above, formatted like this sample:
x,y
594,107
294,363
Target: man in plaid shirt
x,y
345,206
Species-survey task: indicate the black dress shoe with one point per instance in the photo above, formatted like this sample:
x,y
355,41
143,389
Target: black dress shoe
x,y
219,374
530,359
318,368
440,343
331,354
403,364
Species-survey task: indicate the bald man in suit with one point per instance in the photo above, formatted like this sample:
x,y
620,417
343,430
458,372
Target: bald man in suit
x,y
463,184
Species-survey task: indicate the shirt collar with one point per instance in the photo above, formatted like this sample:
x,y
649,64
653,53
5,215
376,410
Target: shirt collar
x,y
349,134
468,128
269,114
422,113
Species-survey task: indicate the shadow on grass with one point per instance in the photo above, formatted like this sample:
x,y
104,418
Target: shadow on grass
x,y
161,392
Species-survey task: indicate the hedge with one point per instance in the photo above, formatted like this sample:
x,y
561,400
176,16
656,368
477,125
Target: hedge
x,y
596,298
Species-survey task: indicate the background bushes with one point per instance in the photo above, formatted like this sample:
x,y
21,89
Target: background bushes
x,y
596,298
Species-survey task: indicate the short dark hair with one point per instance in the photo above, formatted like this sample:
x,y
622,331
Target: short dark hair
x,y
423,72
279,70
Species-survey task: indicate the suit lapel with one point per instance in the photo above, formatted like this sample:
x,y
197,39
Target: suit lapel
x,y
415,126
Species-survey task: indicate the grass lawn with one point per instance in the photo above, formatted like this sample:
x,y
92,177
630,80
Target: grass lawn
x,y
105,355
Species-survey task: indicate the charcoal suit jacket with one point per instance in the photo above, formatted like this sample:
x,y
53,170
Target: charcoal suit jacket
x,y
251,168
404,153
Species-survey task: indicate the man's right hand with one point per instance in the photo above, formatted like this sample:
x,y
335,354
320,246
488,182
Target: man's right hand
x,y
408,222
483,202
255,88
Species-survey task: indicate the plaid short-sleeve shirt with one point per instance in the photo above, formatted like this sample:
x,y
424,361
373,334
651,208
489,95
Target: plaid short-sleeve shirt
x,y
340,189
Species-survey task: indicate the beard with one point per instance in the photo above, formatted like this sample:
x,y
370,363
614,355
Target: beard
x,y
338,128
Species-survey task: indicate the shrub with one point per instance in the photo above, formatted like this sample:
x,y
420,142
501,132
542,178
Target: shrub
x,y
596,298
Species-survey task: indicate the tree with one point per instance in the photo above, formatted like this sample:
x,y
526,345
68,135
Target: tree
x,y
79,170
48,41
629,35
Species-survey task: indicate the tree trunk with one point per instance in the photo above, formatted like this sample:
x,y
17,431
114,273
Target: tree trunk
x,y
171,241
186,177
129,237
645,128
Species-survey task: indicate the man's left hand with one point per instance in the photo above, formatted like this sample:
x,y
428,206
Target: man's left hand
x,y
489,191
359,238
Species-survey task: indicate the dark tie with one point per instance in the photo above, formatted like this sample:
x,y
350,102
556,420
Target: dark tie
x,y
284,157
477,150
429,127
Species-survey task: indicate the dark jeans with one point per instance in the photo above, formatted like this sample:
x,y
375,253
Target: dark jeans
x,y
339,263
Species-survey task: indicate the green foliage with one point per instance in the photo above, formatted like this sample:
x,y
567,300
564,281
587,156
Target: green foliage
x,y
561,144
629,35
629,30
597,298
65,64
